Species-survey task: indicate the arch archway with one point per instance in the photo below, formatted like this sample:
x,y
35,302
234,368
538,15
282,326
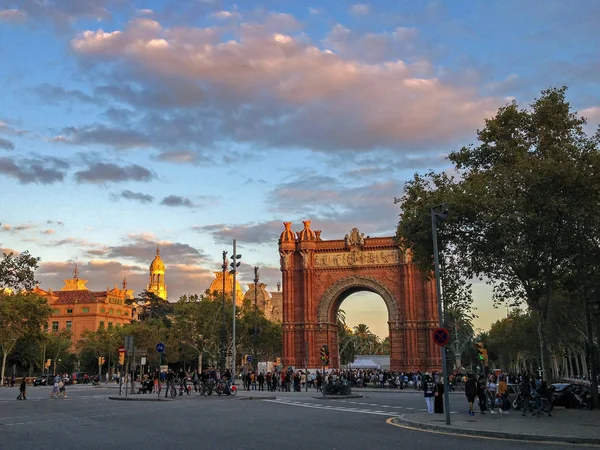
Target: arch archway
x,y
317,275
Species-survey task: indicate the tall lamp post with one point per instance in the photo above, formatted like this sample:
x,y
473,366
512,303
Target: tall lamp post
x,y
256,280
223,332
234,265
440,212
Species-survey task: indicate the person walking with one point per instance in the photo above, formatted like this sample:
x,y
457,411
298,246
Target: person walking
x,y
438,395
471,392
427,386
22,390
481,394
503,393
492,389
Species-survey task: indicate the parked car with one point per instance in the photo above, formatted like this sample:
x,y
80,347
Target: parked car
x,y
42,380
570,395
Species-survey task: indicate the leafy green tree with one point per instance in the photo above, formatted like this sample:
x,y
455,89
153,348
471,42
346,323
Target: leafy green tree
x,y
151,306
21,315
18,272
517,209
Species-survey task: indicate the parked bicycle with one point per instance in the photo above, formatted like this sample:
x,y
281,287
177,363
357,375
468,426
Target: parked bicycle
x,y
337,387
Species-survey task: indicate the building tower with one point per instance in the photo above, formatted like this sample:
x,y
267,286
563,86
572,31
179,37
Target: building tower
x,y
157,276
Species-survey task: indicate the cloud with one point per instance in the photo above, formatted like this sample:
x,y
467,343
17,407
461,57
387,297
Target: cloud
x,y
142,248
252,233
175,200
16,228
103,135
136,196
11,129
54,94
360,9
271,88
98,173
5,144
57,222
64,12
12,15
48,231
181,157
28,171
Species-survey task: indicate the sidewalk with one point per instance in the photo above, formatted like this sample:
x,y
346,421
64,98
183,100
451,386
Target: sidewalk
x,y
565,425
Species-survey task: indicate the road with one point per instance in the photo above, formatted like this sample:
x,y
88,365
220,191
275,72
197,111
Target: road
x,y
88,419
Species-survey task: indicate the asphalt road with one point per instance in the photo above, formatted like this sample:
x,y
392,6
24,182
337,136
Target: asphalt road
x,y
87,419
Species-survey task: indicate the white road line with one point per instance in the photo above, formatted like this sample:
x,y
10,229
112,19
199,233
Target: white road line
x,y
333,408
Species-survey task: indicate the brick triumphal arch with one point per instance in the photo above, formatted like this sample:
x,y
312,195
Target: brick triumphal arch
x,y
318,275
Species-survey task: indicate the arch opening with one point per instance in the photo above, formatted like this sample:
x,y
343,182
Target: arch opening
x,y
363,331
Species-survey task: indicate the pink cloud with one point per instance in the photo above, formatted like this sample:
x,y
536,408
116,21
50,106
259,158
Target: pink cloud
x,y
272,87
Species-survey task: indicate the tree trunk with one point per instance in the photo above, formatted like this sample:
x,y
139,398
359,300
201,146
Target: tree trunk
x,y
543,346
569,365
4,357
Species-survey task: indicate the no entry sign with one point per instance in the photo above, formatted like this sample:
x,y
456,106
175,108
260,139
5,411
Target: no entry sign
x,y
441,336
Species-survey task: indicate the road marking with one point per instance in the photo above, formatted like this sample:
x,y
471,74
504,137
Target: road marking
x,y
333,408
490,438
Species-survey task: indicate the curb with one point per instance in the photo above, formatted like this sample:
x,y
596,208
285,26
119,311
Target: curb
x,y
402,420
143,399
257,398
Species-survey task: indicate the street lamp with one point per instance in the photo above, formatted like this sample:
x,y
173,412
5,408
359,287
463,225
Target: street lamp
x,y
223,332
256,280
440,212
234,265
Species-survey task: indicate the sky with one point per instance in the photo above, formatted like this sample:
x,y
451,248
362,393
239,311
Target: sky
x,y
189,123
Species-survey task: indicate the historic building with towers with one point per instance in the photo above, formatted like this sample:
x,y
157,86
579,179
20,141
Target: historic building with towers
x,y
76,308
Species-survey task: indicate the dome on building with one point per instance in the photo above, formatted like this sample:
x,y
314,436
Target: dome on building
x,y
217,285
288,234
157,264
306,234
262,296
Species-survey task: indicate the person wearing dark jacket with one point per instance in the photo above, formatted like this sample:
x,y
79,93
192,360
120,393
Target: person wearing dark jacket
x,y
22,390
471,392
438,399
481,394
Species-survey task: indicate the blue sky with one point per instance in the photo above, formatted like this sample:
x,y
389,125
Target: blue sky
x,y
123,123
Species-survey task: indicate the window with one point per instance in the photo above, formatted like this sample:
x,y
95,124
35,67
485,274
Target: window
x,y
111,311
125,313
85,310
54,326
102,324
109,324
55,311
69,324
102,310
70,311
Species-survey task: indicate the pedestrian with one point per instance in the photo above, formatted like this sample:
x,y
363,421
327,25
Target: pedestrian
x,y
438,392
526,393
471,392
503,393
22,390
492,389
62,390
55,388
481,394
427,386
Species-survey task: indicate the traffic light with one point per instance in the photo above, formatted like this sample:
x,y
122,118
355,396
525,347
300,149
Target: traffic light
x,y
48,363
121,358
480,350
325,354
278,363
101,360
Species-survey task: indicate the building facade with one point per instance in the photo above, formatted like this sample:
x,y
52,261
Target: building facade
x,y
78,309
157,277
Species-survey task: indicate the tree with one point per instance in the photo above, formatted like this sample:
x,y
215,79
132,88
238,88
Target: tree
x,y
153,307
18,272
57,344
21,314
518,207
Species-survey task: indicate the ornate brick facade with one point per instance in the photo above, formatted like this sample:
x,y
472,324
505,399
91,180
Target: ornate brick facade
x,y
318,275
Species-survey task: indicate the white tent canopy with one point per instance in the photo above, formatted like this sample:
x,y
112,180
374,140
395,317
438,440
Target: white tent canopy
x,y
364,364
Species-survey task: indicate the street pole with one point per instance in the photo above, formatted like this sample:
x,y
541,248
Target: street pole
x,y
223,332
306,365
434,217
234,266
256,280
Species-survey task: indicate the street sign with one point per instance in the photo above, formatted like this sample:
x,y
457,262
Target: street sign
x,y
129,343
143,361
160,347
121,349
249,359
441,336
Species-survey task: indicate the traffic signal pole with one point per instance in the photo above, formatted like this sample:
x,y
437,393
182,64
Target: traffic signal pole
x,y
436,259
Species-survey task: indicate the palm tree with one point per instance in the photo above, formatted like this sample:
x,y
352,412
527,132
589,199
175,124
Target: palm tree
x,y
366,340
